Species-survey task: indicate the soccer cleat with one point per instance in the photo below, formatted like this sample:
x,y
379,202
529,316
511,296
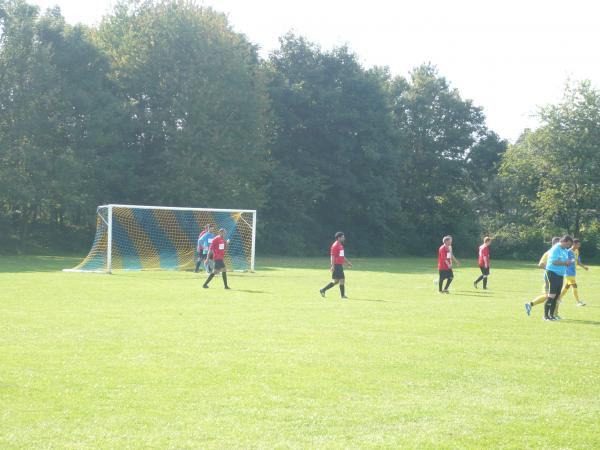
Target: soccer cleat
x,y
580,303
445,291
557,318
322,292
343,296
227,287
205,286
547,318
528,308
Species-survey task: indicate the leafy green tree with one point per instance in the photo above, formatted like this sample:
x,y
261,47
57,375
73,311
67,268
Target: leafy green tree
x,y
59,117
332,149
197,102
439,133
552,173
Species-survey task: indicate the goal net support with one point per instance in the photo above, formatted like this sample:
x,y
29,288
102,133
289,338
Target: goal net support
x,y
134,237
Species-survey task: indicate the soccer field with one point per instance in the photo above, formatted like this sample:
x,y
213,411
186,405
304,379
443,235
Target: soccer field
x,y
151,359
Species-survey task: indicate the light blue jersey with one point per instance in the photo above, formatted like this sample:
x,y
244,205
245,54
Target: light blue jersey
x,y
557,253
572,269
206,241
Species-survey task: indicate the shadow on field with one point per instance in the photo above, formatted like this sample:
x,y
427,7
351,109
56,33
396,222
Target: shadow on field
x,y
402,265
23,264
474,294
377,300
248,291
581,322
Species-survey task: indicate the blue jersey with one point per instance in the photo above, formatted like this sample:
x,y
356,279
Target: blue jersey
x,y
205,241
557,253
572,269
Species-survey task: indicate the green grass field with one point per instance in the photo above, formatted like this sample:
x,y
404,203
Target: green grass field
x,y
140,360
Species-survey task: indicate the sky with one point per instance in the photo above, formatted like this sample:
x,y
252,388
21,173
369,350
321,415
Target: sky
x,y
509,56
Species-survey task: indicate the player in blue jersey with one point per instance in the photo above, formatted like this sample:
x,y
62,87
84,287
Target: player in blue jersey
x,y
558,261
205,242
200,254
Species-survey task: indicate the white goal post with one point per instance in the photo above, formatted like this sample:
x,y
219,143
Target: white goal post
x,y
139,237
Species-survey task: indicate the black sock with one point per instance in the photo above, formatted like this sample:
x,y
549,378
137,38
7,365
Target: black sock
x,y
485,282
329,286
448,281
440,282
197,266
479,279
210,277
547,308
224,278
342,290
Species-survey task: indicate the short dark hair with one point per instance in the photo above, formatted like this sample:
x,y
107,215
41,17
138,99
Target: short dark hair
x,y
576,241
339,234
566,238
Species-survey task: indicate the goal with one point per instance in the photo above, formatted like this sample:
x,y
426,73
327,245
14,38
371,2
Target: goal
x,y
135,237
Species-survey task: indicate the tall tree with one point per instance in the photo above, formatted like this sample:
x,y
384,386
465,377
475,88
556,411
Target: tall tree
x,y
439,131
197,100
332,148
55,100
553,172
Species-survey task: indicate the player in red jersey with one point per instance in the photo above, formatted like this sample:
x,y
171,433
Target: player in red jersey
x,y
484,262
338,258
216,252
445,259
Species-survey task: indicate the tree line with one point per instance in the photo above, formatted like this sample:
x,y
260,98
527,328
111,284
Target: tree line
x,y
163,103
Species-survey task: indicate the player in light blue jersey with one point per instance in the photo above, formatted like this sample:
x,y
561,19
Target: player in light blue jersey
x,y
558,261
205,242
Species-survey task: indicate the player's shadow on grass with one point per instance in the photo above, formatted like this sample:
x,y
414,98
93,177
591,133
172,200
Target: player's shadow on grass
x,y
249,291
378,300
482,294
581,322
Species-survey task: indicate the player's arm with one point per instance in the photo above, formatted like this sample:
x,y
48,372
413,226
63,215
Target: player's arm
x,y
453,259
580,264
486,261
558,262
347,261
332,262
543,261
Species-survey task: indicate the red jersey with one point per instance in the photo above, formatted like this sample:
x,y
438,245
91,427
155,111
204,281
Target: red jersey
x,y
444,254
218,247
337,251
484,251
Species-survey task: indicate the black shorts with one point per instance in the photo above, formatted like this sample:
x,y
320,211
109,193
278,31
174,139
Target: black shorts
x,y
219,264
484,270
338,272
444,274
556,282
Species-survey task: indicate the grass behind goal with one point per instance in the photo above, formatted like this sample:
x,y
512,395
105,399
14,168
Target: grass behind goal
x,y
153,360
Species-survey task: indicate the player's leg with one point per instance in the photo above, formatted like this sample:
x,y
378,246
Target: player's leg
x,y
208,280
220,266
486,274
556,282
198,262
343,288
329,286
442,277
480,277
448,281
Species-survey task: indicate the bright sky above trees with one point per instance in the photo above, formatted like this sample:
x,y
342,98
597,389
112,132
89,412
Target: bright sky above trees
x,y
509,56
